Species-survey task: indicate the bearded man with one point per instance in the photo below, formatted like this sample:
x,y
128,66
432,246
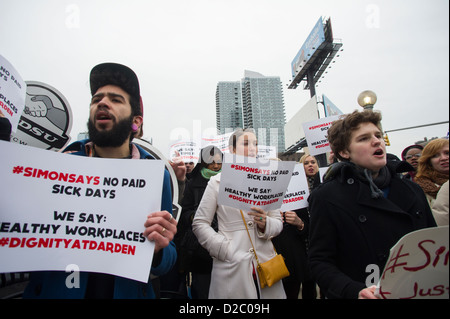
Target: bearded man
x,y
115,116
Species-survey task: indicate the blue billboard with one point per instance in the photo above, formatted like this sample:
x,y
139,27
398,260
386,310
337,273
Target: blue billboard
x,y
314,40
330,108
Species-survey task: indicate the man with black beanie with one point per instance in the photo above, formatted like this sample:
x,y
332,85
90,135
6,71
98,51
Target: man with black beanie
x,y
116,114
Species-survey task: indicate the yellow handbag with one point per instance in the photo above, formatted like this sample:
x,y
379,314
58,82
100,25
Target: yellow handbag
x,y
272,270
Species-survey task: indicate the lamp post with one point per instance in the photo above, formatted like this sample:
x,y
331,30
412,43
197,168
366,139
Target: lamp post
x,y
367,99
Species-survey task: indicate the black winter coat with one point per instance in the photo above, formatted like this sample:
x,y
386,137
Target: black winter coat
x,y
293,244
5,129
191,255
350,230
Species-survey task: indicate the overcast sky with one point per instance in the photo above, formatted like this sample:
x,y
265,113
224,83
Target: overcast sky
x,y
181,49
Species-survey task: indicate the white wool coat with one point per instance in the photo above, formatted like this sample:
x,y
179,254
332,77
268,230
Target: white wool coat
x,y
230,247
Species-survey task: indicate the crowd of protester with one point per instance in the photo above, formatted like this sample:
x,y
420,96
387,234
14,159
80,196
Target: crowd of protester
x,y
365,202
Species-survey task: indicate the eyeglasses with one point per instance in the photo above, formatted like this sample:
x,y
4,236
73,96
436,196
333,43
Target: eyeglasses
x,y
411,156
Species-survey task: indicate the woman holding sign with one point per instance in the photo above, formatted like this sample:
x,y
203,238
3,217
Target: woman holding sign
x,y
292,243
361,210
234,266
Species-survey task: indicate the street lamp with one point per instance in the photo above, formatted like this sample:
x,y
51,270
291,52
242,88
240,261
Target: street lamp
x,y
367,99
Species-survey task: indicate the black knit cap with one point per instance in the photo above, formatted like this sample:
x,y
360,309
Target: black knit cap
x,y
120,75
420,147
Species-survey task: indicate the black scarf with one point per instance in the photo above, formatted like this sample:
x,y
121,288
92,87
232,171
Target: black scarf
x,y
376,185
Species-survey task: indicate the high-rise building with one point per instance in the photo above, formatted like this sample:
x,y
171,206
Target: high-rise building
x,y
263,108
254,102
228,106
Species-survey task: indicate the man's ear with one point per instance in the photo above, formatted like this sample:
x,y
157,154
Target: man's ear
x,y
345,154
138,120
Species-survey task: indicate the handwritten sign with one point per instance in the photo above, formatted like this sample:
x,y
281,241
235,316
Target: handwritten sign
x,y
249,182
188,151
58,209
267,152
418,266
219,141
316,133
12,93
298,191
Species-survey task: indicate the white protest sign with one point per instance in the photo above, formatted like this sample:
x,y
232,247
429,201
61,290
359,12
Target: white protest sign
x,y
188,151
220,141
298,191
46,120
316,133
418,266
59,209
248,182
12,93
267,152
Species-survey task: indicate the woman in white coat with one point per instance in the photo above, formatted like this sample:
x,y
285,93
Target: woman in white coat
x,y
234,272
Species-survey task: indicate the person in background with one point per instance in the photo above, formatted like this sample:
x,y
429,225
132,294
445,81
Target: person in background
x,y
331,158
234,265
440,206
193,258
311,170
361,209
292,243
411,155
115,117
433,168
189,168
5,128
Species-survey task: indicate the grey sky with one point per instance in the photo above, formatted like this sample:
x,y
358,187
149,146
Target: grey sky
x,y
180,49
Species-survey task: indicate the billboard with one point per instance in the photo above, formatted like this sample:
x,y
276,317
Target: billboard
x,y
330,108
314,40
293,130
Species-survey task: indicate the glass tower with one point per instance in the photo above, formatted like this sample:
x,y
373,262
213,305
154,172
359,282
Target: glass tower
x,y
255,102
263,108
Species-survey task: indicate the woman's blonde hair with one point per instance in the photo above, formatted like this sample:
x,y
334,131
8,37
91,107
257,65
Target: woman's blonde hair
x,y
303,158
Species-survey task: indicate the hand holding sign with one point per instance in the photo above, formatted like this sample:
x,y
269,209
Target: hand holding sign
x,y
368,293
178,166
292,218
260,217
160,228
